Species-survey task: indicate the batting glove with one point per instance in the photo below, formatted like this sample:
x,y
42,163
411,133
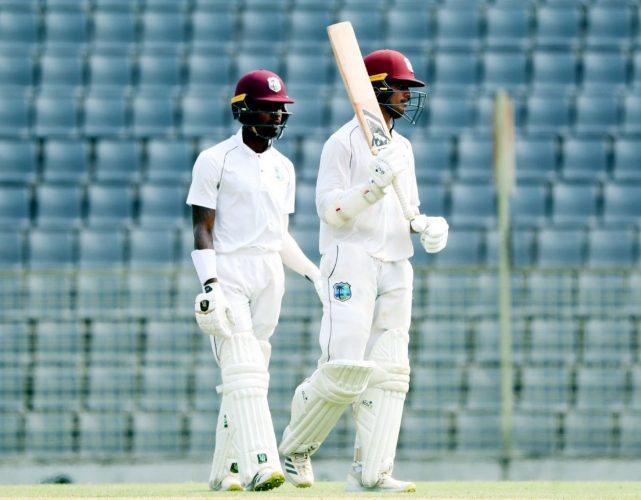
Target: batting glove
x,y
434,232
213,314
315,278
389,162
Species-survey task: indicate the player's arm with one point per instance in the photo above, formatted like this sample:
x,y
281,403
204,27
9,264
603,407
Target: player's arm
x,y
294,258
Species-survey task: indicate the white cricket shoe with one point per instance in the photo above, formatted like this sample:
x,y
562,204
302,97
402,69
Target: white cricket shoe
x,y
386,483
298,470
266,479
229,483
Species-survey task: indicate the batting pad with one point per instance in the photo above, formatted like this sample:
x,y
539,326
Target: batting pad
x,y
319,402
245,383
379,409
223,452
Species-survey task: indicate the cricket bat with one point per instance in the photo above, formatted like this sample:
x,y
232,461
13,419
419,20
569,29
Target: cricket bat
x,y
361,94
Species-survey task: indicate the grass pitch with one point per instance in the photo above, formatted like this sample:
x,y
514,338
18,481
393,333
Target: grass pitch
x,y
336,490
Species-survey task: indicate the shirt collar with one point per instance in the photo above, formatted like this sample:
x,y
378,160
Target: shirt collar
x,y
238,137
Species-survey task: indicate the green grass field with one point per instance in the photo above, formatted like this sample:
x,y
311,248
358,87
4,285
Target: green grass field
x,y
335,490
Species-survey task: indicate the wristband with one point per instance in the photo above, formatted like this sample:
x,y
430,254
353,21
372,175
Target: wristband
x,y
205,264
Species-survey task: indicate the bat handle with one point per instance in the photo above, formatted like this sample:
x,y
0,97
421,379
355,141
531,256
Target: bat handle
x,y
405,206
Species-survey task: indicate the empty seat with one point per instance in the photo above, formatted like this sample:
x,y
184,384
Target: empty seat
x,y
284,378
610,247
151,247
117,160
15,212
422,433
536,157
169,160
14,348
621,203
206,379
13,386
474,158
626,151
56,115
203,113
307,26
102,434
66,27
152,115
448,293
521,248
16,72
59,342
554,69
105,115
11,433
432,159
18,159
472,204
584,158
66,160
115,344
455,69
432,198
169,342
596,113
63,72
546,387
159,70
560,247
436,388
609,25
101,248
408,30
51,248
303,71
213,28
550,293
309,115
157,434
604,70
164,388
630,438
478,432
558,25
483,388
600,388
56,388
162,28
502,69
253,59
58,205
18,28
465,249
202,432
607,341
442,341
262,26
457,26
588,434
553,341
209,74
534,434
109,70
529,203
631,107
162,205
109,205
114,28
451,114
547,113
574,203
143,288
507,25
49,433
15,118
487,341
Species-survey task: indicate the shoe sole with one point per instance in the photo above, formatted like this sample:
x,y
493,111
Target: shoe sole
x,y
273,481
358,488
297,484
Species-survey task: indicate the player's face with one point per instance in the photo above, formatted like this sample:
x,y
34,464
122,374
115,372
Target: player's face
x,y
400,98
270,113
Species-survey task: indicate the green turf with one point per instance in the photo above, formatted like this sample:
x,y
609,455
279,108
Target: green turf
x,y
335,490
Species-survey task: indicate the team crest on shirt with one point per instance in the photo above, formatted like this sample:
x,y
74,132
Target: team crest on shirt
x,y
280,174
342,291
274,84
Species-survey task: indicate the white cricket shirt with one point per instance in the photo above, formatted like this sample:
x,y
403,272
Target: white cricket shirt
x,y
250,192
381,229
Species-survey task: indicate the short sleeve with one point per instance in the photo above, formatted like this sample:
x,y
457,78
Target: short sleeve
x,y
205,178
290,199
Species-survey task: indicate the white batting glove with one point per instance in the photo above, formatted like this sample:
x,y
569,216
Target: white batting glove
x,y
213,314
434,232
315,278
389,162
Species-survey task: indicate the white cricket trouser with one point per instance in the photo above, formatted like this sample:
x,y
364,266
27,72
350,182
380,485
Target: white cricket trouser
x,y
253,284
364,298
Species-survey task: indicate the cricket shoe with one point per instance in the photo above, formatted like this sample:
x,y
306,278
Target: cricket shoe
x,y
385,484
229,483
266,479
298,470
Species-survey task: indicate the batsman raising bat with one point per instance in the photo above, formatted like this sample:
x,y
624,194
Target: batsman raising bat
x,y
241,195
367,287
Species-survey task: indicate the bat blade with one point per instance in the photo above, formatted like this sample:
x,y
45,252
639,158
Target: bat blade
x,y
359,89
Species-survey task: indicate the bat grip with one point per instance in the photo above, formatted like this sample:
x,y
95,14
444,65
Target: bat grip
x,y
408,213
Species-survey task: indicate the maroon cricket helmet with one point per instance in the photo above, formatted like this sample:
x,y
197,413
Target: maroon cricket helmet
x,y
391,65
261,85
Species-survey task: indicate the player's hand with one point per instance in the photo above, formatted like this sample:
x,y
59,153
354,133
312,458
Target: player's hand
x,y
434,232
389,162
315,278
213,314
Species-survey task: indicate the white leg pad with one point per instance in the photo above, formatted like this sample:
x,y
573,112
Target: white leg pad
x,y
224,451
319,402
378,410
245,384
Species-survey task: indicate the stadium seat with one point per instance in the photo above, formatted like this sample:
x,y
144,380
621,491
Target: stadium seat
x,y
629,439
18,28
15,213
635,64
59,205
169,160
13,386
609,25
252,59
102,434
109,205
432,159
584,158
303,71
597,114
56,115
621,203
117,161
11,433
529,204
550,293
169,343
206,379
421,433
49,434
536,157
560,248
110,70
152,115
458,26
187,285
558,25
432,198
436,388
507,25
478,432
105,115
610,247
574,203
66,28
455,69
284,378
545,387
100,248
448,293
604,70
162,205
600,388
15,350
50,248
309,116
601,294
521,247
483,388
114,345
486,339
465,249
474,156
554,69
59,342
163,29
151,247
504,70
308,26
164,388
547,113
15,115
117,5
57,388
18,159
260,27
159,70
16,73
450,114
213,29
607,341
66,160
144,288
157,434
203,113
553,341
202,432
534,434
442,341
635,395
403,30
626,151
112,29
631,121
472,204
